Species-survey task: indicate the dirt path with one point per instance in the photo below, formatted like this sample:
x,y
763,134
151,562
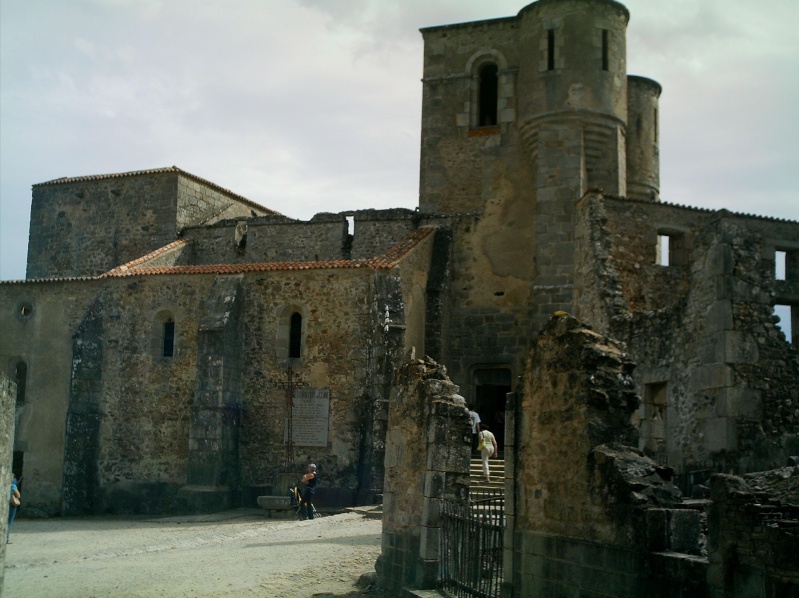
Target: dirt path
x,y
237,553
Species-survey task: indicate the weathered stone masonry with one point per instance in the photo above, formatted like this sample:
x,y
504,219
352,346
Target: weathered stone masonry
x,y
539,191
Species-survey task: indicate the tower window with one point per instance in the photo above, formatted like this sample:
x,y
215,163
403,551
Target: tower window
x,y
295,336
655,118
21,378
605,60
168,344
779,265
487,100
550,49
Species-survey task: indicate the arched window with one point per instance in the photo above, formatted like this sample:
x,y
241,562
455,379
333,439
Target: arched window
x,y
168,338
487,95
21,378
295,336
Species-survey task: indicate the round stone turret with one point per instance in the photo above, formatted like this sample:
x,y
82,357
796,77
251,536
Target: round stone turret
x,y
574,71
643,153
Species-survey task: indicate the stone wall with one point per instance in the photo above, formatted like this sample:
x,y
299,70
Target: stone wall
x,y
88,225
255,242
701,330
753,545
38,326
578,394
8,396
427,460
202,202
590,511
376,231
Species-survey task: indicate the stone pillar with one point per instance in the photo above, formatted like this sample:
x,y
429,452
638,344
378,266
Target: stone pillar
x,y
215,417
427,460
81,446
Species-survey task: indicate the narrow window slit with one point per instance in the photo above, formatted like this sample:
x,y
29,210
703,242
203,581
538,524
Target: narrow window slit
x,y
168,346
295,336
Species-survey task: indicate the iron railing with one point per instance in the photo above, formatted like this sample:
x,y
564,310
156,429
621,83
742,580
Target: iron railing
x,y
471,546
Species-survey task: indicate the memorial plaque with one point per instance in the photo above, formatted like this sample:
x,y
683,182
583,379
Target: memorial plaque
x,y
311,415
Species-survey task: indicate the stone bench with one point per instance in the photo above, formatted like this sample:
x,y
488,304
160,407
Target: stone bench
x,y
275,503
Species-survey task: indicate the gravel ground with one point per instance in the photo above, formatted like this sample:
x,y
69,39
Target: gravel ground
x,y
236,553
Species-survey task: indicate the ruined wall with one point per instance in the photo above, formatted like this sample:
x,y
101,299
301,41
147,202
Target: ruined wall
x,y
578,393
634,227
427,460
753,545
588,506
252,242
714,369
376,231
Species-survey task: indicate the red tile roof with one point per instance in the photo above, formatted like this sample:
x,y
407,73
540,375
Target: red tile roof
x,y
388,260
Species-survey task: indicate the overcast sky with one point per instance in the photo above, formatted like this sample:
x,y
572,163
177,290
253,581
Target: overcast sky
x,y
314,105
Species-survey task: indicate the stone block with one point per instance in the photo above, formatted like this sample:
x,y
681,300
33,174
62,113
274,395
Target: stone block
x,y
739,347
735,402
719,316
431,512
721,434
719,260
657,529
684,531
714,375
429,548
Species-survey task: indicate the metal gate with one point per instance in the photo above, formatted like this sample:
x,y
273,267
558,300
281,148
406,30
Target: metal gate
x,y
471,546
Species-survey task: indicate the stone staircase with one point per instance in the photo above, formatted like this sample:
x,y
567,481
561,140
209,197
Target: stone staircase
x,y
497,470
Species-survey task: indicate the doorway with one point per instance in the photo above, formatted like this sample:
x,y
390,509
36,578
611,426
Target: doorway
x,y
491,385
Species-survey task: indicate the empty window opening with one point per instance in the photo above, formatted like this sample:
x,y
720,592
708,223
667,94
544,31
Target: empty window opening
x,y
663,250
671,249
788,315
550,49
604,49
487,100
295,336
240,236
779,264
21,378
168,339
350,225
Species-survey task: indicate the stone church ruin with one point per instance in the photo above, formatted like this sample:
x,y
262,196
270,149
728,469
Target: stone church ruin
x,y
179,348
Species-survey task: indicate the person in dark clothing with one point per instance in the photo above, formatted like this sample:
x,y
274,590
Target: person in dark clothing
x,y
309,479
